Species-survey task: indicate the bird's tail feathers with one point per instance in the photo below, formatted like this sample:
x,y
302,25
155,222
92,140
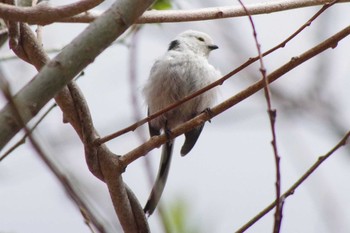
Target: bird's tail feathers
x,y
191,138
157,190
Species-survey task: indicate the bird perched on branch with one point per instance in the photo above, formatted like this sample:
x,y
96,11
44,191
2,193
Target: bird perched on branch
x,y
183,70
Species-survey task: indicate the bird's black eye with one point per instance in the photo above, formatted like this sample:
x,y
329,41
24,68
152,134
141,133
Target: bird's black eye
x,y
200,39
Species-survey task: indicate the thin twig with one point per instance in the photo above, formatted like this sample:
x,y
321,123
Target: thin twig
x,y
115,21
211,13
55,170
73,58
156,141
43,13
23,139
293,188
216,83
300,29
272,119
40,58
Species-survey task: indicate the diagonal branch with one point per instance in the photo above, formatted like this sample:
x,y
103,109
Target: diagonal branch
x,y
105,165
88,214
66,65
23,139
157,141
51,81
292,189
171,16
272,117
216,83
43,13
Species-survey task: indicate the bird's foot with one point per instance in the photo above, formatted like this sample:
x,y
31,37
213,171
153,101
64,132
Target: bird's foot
x,y
209,113
167,131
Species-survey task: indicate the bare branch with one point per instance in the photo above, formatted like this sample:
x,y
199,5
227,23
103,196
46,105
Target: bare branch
x,y
60,71
292,189
219,82
43,13
272,118
105,165
156,141
23,139
171,16
71,191
67,64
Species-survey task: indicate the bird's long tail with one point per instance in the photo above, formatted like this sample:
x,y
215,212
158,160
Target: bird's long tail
x,y
157,190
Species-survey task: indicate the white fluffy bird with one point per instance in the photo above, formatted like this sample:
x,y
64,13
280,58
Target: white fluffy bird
x,y
183,70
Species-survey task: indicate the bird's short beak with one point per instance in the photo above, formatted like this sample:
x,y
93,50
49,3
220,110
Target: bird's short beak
x,y
213,47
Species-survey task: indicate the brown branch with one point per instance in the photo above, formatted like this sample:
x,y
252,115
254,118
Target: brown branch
x,y
211,13
300,29
23,139
156,141
86,131
43,13
89,216
113,183
214,84
272,118
293,188
105,165
55,75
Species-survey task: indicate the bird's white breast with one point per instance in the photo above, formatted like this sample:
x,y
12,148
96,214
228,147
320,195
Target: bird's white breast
x,y
175,76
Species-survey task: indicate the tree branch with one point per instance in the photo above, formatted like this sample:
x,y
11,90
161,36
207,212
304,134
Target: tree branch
x,y
171,16
59,72
157,141
292,189
272,118
67,64
69,187
105,165
43,13
23,139
218,82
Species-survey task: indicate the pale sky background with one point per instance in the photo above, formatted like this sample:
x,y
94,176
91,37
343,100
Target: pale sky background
x,y
229,176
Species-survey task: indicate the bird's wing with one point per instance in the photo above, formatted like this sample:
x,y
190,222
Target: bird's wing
x,y
157,190
191,139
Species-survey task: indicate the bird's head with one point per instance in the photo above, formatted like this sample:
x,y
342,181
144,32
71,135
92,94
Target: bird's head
x,y
197,42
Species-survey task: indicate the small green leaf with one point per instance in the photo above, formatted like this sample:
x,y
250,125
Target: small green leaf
x,y
177,218
162,5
